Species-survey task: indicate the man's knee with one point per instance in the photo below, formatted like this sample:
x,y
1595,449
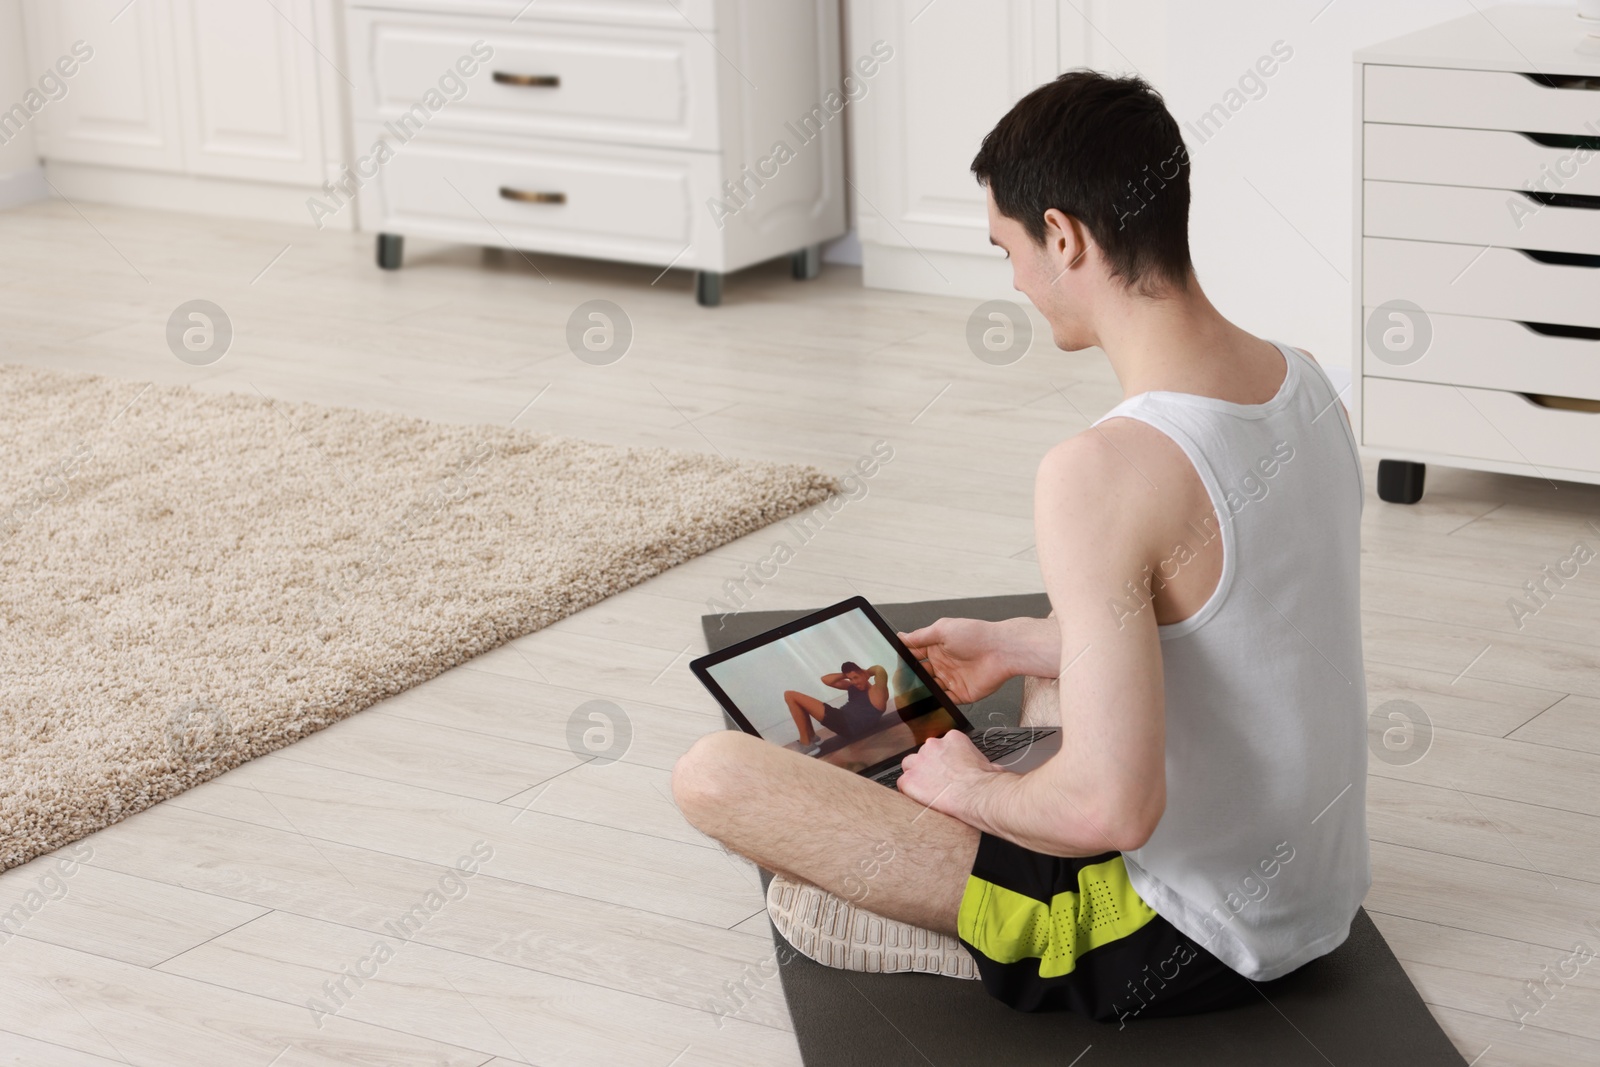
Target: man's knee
x,y
704,778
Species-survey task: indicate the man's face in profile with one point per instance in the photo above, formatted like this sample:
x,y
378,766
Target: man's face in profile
x,y
1038,276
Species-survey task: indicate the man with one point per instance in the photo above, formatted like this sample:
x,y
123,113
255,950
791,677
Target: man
x,y
868,695
1203,826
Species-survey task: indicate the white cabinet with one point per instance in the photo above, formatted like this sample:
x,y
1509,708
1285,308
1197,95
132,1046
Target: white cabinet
x,y
121,104
249,83
704,135
959,65
211,105
1477,296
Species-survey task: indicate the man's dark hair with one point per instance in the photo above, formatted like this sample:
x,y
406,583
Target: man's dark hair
x,y
1107,152
848,667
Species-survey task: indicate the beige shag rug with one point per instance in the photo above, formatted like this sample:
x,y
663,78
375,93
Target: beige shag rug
x,y
190,580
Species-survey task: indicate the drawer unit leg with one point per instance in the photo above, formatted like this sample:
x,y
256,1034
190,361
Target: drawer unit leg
x,y
390,248
1400,480
806,264
707,288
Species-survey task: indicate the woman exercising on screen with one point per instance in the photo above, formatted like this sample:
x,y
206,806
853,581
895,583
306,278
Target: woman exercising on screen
x,y
869,696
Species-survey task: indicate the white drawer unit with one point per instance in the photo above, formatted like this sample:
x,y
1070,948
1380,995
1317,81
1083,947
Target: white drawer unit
x,y
620,203
669,13
1483,159
615,84
698,134
1477,249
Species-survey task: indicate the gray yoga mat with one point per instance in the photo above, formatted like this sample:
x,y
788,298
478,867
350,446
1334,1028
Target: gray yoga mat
x,y
1352,1008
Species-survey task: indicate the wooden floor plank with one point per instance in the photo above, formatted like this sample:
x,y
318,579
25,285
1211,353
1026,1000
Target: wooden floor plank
x,y
465,1000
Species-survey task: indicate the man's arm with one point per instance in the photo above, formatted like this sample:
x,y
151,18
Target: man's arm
x,y
878,691
836,680
1034,647
1097,518
971,658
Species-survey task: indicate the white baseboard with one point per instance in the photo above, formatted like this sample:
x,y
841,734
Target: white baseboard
x,y
192,194
938,273
23,187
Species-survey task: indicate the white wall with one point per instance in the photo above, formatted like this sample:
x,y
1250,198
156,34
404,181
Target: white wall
x,y
19,175
15,78
1276,257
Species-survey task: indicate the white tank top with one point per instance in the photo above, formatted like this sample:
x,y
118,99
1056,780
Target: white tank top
x,y
1261,854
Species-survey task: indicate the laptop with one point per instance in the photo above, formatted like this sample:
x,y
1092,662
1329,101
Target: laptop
x,y
840,686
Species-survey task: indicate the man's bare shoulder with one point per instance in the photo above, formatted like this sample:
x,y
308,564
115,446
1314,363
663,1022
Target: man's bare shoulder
x,y
1122,476
1119,452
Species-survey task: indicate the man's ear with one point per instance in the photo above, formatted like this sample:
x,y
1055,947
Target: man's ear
x,y
1065,239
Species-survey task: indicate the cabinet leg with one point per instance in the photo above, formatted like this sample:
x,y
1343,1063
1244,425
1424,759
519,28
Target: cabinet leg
x,y
806,264
390,248
707,288
1400,481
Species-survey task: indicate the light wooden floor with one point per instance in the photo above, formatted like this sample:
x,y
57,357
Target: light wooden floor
x,y
604,930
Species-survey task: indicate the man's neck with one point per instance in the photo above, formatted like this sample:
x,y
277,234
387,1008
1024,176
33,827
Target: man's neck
x,y
1175,341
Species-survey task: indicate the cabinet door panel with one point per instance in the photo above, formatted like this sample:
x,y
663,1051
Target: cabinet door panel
x,y
959,65
249,84
120,105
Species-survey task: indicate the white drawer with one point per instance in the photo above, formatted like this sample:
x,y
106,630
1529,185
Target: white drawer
x,y
1478,217
1499,283
633,204
1476,423
669,14
1495,159
1498,354
624,85
1478,99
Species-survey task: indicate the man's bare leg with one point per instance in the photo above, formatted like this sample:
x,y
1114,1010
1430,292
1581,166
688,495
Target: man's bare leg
x,y
1041,702
821,824
1041,699
803,709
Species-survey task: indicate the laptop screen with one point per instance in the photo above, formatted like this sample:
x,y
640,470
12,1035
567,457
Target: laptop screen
x,y
837,687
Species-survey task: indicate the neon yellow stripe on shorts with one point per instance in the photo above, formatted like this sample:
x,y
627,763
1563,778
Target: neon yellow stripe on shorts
x,y
1007,926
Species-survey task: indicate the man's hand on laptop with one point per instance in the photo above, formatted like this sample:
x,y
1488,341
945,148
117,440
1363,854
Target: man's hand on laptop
x,y
943,773
971,658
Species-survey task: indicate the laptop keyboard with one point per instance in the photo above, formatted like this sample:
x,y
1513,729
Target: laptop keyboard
x,y
992,744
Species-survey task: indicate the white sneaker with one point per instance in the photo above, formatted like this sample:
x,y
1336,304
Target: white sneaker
x,y
837,933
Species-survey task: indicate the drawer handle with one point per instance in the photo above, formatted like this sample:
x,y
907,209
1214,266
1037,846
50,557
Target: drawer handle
x,y
1563,81
523,196
1563,140
1577,200
1557,329
1562,403
530,81
1563,259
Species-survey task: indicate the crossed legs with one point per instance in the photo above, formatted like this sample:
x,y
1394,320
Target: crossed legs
x,y
818,823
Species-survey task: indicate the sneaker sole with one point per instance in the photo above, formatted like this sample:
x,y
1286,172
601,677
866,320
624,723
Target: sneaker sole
x,y
836,933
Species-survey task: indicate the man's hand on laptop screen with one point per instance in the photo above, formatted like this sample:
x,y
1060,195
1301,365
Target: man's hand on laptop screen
x,y
971,658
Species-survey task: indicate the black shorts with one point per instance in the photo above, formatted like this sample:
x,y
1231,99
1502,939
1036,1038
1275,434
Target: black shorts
x,y
851,719
1050,933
